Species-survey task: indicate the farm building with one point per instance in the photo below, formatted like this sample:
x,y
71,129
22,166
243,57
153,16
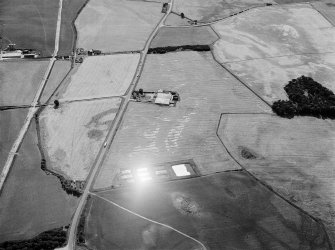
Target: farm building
x,y
160,97
163,98
11,52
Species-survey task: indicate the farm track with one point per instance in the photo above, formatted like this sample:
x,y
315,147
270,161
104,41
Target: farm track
x,y
237,13
34,106
268,186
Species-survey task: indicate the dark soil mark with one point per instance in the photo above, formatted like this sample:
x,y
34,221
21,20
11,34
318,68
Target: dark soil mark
x,y
246,153
95,134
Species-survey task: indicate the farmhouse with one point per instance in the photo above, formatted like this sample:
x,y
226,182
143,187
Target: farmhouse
x,y
160,97
11,52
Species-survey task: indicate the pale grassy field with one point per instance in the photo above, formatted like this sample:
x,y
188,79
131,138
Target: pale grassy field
x,y
269,76
184,36
19,81
73,134
211,10
295,156
101,76
289,30
151,134
117,25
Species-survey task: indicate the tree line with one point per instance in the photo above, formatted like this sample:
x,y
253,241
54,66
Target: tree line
x,y
163,50
47,240
306,98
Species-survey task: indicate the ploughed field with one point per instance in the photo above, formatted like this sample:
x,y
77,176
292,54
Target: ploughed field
x,y
73,134
294,156
224,211
114,25
11,122
99,76
150,134
32,201
20,81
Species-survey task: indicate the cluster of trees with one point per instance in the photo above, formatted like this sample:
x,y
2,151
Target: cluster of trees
x,y
51,239
81,224
306,98
69,186
163,50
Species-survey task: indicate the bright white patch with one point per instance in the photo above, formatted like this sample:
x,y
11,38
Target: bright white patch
x,y
143,174
180,170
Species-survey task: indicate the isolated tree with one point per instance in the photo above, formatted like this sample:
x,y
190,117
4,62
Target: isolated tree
x,y
56,102
182,15
140,91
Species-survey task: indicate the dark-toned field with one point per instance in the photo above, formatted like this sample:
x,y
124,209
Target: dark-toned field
x,y
67,38
30,23
31,201
203,35
20,81
224,211
58,73
294,156
11,122
116,224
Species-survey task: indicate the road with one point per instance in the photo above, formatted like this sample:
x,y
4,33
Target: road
x,y
34,106
103,151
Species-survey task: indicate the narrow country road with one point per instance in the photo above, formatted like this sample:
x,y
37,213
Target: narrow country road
x,y
34,106
103,151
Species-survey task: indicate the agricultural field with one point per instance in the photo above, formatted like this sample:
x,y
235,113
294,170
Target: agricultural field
x,y
224,211
184,36
212,10
290,30
100,76
294,156
269,76
30,24
58,73
116,224
67,40
150,134
31,201
73,134
326,9
114,25
11,122
20,81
